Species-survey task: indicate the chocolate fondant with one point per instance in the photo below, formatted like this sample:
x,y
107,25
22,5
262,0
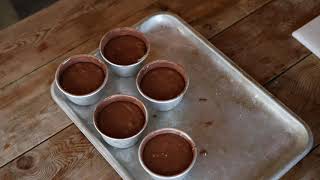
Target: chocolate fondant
x,y
167,154
121,119
81,78
162,83
124,50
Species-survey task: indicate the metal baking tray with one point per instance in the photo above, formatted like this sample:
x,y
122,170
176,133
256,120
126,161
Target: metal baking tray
x,y
241,130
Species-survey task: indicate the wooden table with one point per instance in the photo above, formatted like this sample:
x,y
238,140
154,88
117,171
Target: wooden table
x,y
38,141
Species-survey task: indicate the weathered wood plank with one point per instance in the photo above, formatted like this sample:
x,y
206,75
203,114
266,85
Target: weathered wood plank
x,y
28,114
299,89
211,17
22,100
57,30
221,14
68,155
262,44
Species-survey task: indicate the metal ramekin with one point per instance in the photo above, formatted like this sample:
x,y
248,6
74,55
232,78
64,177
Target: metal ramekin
x,y
120,142
124,70
163,105
86,99
165,131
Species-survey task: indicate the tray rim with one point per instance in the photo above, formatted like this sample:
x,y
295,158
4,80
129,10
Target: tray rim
x,y
124,173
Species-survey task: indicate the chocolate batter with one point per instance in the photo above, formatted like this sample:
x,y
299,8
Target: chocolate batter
x,y
121,119
162,83
81,78
167,154
124,50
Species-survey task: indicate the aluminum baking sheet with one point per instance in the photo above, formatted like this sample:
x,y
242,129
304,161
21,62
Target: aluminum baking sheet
x,y
240,130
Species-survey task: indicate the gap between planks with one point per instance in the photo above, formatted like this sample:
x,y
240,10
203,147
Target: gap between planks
x,y
287,69
36,145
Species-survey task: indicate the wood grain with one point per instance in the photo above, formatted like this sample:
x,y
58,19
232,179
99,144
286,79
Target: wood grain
x,y
28,114
261,44
211,17
221,14
299,89
24,125
68,155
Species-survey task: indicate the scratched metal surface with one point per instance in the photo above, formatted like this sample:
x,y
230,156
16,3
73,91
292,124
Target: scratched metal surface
x,y
246,133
